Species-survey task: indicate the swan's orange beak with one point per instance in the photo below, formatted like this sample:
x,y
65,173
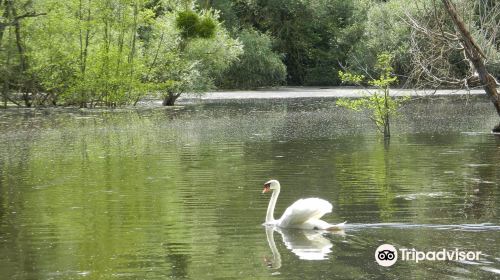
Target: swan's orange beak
x,y
267,188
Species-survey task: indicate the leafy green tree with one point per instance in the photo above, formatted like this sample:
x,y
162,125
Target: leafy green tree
x,y
93,59
259,65
384,29
15,62
109,52
381,105
188,50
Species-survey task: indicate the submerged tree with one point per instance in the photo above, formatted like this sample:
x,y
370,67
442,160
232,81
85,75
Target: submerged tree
x,y
440,30
379,102
475,54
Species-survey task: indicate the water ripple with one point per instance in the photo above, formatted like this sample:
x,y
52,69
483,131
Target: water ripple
x,y
460,227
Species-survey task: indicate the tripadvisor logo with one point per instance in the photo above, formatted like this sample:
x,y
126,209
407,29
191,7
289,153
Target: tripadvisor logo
x,y
387,255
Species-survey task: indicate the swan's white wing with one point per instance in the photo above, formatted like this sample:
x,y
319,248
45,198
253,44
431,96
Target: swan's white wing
x,y
303,210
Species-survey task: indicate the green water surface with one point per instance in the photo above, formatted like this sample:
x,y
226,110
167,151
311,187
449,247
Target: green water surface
x,y
157,193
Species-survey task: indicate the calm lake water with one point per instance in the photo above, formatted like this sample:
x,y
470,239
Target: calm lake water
x,y
159,193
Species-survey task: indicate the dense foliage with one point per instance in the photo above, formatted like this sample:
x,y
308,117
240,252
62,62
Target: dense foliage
x,y
114,52
109,52
316,38
313,36
259,66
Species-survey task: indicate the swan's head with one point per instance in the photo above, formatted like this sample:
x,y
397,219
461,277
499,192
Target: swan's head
x,y
271,185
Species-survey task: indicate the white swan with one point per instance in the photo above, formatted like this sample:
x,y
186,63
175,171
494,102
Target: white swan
x,y
302,214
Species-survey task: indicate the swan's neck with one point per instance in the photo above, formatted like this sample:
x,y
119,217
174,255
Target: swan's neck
x,y
272,204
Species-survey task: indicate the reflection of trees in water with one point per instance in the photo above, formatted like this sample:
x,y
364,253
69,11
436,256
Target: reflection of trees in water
x,y
178,262
3,193
70,190
448,114
481,188
479,202
150,175
16,181
366,176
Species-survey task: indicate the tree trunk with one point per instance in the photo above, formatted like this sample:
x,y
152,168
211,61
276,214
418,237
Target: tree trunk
x,y
170,99
22,62
84,39
6,15
387,128
133,43
6,78
476,56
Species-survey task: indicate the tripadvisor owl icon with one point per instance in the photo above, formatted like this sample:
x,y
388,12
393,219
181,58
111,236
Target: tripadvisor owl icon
x,y
386,255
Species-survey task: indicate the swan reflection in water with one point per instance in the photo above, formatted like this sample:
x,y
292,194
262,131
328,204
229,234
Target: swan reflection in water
x,y
306,244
